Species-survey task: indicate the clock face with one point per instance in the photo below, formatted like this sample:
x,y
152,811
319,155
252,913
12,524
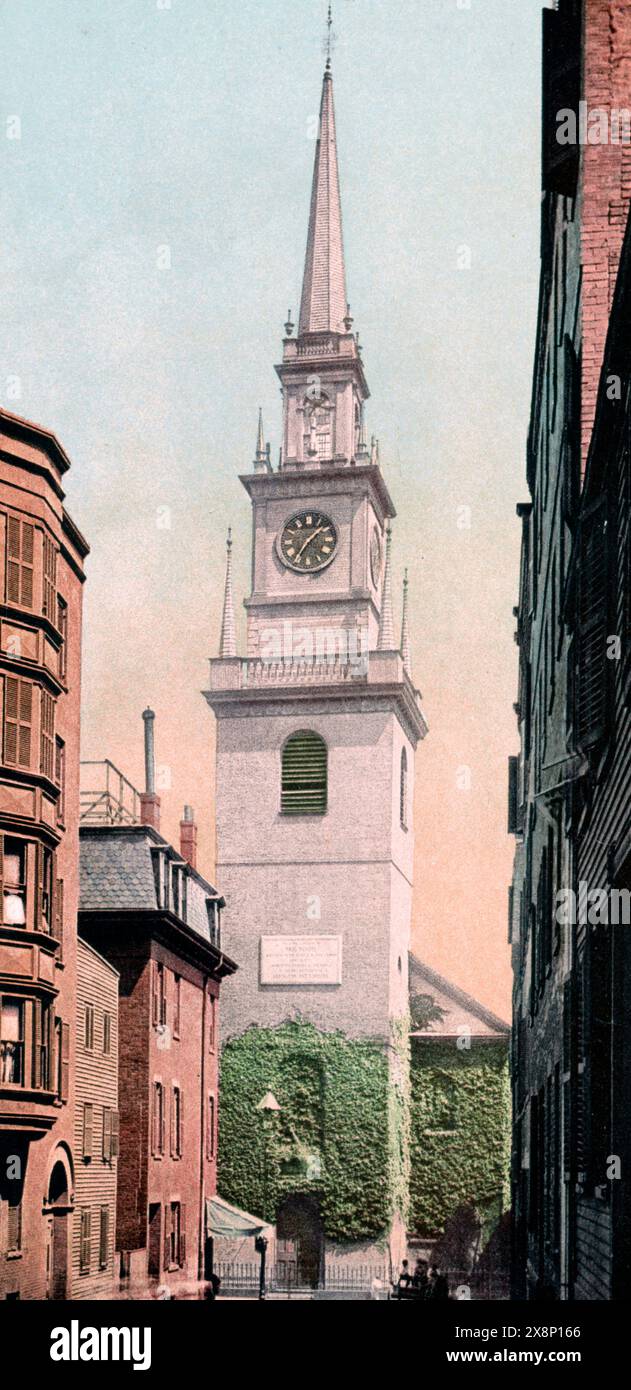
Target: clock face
x,y
375,557
307,542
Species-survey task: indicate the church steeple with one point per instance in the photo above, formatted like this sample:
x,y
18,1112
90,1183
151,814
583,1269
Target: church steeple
x,y
323,307
322,373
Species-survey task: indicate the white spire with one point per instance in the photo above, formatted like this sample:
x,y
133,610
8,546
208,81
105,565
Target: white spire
x,y
262,463
323,307
405,630
385,640
228,640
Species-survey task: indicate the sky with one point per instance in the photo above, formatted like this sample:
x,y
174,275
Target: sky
x,y
154,190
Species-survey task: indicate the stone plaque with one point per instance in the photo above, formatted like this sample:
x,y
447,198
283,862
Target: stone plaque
x,y
301,960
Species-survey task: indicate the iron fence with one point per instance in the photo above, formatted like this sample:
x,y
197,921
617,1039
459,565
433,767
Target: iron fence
x,y
242,1277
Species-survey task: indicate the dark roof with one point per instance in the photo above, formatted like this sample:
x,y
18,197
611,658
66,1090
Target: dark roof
x,y
454,1001
116,874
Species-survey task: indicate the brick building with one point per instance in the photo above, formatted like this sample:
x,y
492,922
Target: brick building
x,y
148,911
565,1235
96,1125
41,579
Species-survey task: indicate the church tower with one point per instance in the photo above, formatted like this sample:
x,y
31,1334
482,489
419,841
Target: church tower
x,y
317,727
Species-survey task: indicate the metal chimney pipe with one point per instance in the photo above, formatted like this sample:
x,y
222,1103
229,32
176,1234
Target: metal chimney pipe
x,y
150,757
149,801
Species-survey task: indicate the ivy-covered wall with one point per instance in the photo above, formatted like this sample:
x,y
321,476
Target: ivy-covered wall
x,y
460,1135
341,1131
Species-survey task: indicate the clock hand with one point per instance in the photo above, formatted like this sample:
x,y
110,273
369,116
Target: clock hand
x,y
309,540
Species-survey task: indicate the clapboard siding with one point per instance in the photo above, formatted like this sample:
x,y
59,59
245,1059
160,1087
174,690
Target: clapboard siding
x,y
96,1085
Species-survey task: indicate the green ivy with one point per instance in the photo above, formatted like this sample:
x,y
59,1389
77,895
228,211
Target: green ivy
x,y
342,1129
369,1137
460,1132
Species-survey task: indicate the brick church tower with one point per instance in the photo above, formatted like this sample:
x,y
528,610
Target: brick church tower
x,y
317,728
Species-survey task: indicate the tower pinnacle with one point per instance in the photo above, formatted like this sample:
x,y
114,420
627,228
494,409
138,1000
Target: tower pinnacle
x,y
405,629
228,639
385,640
323,307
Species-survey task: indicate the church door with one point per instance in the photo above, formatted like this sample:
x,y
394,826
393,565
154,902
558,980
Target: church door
x,y
300,1236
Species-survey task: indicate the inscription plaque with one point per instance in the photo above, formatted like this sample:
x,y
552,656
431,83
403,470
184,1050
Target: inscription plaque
x,y
301,960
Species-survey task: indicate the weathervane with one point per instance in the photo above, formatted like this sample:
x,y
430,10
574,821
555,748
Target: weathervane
x,y
330,40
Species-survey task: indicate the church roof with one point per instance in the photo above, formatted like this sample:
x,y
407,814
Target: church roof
x,y
323,304
453,1010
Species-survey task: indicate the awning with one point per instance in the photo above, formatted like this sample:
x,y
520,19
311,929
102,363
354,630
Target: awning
x,y
222,1219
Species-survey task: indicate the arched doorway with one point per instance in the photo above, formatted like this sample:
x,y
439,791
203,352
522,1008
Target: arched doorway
x,y
300,1241
58,1207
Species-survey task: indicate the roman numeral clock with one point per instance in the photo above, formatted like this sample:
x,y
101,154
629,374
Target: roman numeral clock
x,y
307,542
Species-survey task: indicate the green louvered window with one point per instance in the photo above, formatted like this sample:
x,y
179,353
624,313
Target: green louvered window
x,y
304,776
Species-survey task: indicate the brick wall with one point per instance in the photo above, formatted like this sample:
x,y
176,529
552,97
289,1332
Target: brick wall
x,y
606,185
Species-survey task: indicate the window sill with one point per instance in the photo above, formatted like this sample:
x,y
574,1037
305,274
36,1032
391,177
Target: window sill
x,y
14,1254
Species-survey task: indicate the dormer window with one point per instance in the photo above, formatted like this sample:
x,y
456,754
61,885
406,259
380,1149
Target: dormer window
x,y
161,878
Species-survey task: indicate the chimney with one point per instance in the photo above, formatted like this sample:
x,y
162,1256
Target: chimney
x,y
188,837
149,802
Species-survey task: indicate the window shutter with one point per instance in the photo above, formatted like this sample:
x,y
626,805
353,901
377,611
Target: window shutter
x,y
49,601
154,993
59,915
167,1237
115,1150
513,798
85,1253
64,1070
304,775
1,878
182,1251
39,886
173,1121
107,1133
592,622
88,1120
14,1226
18,718
104,1237
13,560
20,549
181,1135
47,736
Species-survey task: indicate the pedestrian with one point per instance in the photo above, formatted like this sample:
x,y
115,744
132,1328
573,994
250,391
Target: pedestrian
x,y
438,1286
419,1280
404,1280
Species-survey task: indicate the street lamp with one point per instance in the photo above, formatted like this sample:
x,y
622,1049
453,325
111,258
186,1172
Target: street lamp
x,y
267,1106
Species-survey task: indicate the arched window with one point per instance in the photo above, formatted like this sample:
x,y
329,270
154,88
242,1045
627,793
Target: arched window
x,y
318,416
403,790
304,775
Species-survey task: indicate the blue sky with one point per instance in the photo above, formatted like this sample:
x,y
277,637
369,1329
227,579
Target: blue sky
x,y
154,216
